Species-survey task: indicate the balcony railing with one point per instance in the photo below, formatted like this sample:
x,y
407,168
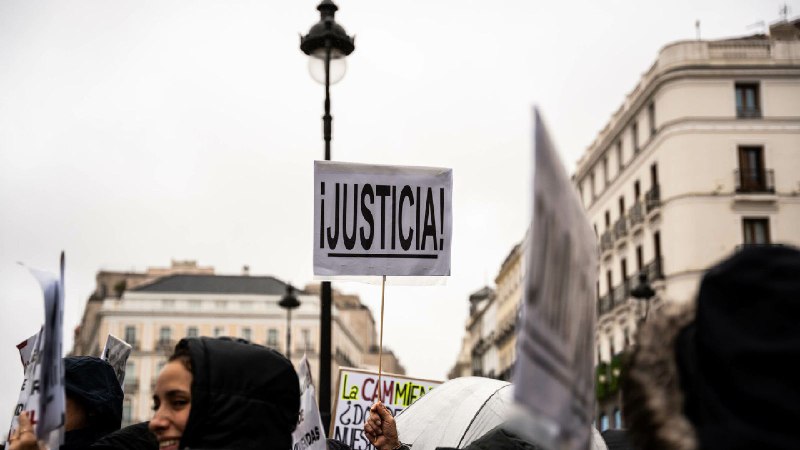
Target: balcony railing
x,y
605,304
636,213
654,269
621,228
606,241
652,199
165,345
755,181
620,293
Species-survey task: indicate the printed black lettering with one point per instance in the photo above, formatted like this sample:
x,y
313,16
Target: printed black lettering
x,y
333,240
350,241
382,190
419,202
394,213
322,216
405,240
430,221
366,242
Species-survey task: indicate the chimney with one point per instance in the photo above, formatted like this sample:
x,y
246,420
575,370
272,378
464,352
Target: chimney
x,y
246,270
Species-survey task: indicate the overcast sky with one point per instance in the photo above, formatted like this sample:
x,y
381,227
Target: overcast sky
x,y
136,132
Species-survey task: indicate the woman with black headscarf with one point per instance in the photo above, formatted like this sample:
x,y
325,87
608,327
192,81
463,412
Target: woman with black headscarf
x,y
225,394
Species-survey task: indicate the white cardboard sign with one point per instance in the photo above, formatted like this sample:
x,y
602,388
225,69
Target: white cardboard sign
x,y
553,374
309,434
381,220
42,393
358,390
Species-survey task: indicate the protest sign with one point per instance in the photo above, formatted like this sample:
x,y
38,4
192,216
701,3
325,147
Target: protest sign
x,y
26,349
358,390
381,220
555,341
29,353
309,434
42,393
116,352
52,402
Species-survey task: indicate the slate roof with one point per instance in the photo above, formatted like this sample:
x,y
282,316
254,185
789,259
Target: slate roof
x,y
217,284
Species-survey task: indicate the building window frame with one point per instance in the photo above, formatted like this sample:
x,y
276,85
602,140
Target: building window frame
x,y
755,230
748,99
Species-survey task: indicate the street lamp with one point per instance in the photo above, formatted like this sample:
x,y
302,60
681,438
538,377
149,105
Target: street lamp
x,y
289,302
644,292
327,45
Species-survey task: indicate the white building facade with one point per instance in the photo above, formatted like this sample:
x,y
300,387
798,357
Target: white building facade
x,y
702,158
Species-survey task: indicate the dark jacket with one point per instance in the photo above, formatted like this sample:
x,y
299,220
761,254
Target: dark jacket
x,y
244,396
134,437
92,382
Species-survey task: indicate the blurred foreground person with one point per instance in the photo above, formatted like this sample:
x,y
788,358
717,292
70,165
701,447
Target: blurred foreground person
x,y
715,374
93,408
225,394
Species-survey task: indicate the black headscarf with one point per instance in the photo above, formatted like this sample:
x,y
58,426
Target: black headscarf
x,y
734,359
92,382
244,396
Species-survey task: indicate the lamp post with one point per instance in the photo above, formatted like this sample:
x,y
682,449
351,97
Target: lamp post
x,y
644,292
327,44
289,302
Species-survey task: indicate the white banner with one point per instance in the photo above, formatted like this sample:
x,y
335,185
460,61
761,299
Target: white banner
x,y
358,390
381,220
50,377
553,376
29,353
116,352
309,434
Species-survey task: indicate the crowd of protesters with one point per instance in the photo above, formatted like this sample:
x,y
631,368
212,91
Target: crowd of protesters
x,y
712,374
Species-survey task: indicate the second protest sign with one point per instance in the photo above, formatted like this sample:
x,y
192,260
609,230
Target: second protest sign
x,y
358,390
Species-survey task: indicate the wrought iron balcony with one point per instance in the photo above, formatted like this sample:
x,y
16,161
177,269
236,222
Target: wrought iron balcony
x,y
652,199
754,181
621,293
605,304
654,270
621,228
606,241
636,213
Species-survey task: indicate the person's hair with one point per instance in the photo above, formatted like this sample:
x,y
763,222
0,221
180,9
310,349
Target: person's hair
x,y
181,354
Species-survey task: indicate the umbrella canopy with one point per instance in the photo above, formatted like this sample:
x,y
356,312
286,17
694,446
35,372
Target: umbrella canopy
x,y
459,412
455,413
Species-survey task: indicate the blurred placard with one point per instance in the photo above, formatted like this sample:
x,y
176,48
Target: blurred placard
x,y
309,434
555,341
116,352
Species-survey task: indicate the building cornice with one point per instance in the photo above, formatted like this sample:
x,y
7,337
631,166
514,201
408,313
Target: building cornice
x,y
655,79
693,126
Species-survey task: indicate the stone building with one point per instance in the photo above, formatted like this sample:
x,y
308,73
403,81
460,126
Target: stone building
x,y
702,157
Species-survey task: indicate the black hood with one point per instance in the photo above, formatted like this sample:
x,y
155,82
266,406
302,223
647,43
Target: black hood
x,y
133,437
93,383
244,396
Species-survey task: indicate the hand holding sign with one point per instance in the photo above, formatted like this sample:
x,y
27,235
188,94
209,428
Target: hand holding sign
x,y
24,438
380,428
